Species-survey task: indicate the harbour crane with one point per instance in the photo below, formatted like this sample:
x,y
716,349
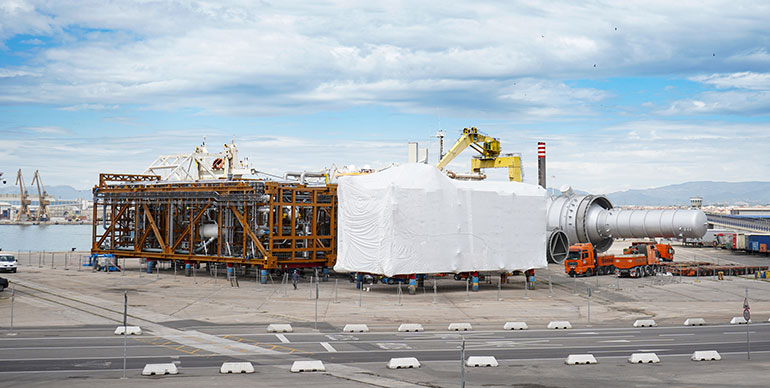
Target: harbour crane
x,y
489,148
23,201
42,209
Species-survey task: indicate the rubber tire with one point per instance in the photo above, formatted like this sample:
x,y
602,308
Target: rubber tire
x,y
2,287
14,270
638,272
589,272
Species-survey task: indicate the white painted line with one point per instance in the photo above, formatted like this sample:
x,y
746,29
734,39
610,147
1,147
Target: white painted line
x,y
738,332
283,338
675,335
328,347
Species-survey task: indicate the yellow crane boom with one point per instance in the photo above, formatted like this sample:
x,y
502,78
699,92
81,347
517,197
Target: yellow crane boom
x,y
489,148
42,209
23,202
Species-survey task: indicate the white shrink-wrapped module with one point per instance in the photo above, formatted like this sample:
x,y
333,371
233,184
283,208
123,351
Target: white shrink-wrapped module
x,y
413,219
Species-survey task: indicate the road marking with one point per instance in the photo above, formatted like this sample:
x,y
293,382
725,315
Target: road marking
x,y
585,333
652,350
283,338
328,347
738,332
616,341
675,335
393,345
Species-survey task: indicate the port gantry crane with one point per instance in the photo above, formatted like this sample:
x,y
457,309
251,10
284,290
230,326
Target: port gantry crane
x,y
42,209
489,148
23,202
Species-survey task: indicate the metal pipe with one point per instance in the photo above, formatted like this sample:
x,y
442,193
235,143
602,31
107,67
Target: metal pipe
x,y
592,219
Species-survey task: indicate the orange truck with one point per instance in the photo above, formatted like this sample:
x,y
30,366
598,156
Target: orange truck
x,y
664,251
642,259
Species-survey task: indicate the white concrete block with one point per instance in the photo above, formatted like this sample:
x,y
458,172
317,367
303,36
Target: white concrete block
x,y
236,367
577,359
356,328
559,325
160,369
515,326
308,366
279,328
403,363
131,330
476,361
644,358
706,355
645,323
463,326
694,322
410,327
738,321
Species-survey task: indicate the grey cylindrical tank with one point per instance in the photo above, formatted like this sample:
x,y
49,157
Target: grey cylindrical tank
x,y
675,223
591,218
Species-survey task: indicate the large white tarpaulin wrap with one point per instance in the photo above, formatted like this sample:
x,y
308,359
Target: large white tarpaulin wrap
x,y
413,219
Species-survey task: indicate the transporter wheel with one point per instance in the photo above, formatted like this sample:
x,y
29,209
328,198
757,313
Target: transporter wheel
x,y
589,272
638,272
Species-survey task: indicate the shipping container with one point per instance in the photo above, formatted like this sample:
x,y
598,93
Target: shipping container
x,y
759,243
740,242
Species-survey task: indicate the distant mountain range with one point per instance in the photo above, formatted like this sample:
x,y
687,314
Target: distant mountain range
x,y
752,193
59,192
730,193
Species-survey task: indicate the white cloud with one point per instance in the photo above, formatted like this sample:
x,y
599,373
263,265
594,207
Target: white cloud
x,y
241,57
47,130
742,80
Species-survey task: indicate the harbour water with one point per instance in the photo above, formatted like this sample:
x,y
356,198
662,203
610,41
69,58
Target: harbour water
x,y
49,238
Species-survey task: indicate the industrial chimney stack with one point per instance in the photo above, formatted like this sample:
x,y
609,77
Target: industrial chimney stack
x,y
541,164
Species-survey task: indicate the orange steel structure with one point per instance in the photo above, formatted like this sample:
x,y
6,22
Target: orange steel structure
x,y
260,224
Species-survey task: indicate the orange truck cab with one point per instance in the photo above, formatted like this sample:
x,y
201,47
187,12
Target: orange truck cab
x,y
582,260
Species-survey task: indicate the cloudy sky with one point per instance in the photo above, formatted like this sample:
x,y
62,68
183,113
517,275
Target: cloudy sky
x,y
626,94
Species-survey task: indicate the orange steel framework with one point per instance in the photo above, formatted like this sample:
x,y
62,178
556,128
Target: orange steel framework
x,y
263,224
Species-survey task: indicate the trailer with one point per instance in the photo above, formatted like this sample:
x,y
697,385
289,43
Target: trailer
x,y
758,243
704,268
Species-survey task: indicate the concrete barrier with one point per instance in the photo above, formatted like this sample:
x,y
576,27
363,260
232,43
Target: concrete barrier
x,y
559,325
477,361
694,322
410,327
645,323
515,326
706,355
738,321
160,369
279,328
308,366
464,326
578,359
130,330
236,367
403,363
644,358
356,328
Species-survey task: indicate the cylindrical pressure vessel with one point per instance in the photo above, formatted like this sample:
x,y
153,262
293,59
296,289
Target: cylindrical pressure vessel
x,y
591,219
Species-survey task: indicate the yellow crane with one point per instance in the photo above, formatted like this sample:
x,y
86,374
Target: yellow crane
x,y
42,209
23,202
489,148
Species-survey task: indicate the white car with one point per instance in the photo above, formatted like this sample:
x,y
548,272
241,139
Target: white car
x,y
7,263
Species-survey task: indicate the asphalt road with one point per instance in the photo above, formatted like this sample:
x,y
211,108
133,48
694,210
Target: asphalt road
x,y
95,349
